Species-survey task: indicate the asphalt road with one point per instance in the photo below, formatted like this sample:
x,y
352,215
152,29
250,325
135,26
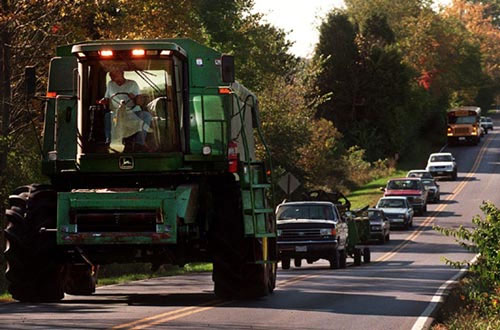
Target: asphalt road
x,y
392,292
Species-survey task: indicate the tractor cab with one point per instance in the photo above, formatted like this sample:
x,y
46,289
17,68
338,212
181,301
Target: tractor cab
x,y
131,100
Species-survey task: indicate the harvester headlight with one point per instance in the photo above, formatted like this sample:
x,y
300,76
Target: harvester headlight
x,y
207,150
105,53
138,52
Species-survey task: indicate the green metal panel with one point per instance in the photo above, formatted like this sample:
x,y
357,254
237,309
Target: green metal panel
x,y
146,162
171,203
66,129
48,128
208,124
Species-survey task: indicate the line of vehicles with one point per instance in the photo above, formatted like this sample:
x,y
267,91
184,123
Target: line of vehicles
x,y
326,228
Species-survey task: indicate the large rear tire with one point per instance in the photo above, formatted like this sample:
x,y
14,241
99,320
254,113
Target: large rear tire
x,y
34,270
234,273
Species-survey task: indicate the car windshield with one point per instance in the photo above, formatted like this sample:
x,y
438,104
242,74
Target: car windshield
x,y
419,174
403,184
428,183
442,158
306,211
374,215
391,203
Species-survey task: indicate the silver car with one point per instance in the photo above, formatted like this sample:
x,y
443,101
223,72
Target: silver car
x,y
398,210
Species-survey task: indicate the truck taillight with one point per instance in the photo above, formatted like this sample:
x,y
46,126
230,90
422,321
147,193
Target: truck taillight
x,y
232,156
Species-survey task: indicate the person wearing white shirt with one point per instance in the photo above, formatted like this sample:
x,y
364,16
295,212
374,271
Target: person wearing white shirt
x,y
126,117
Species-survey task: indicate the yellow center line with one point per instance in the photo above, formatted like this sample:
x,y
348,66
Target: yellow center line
x,y
131,325
186,311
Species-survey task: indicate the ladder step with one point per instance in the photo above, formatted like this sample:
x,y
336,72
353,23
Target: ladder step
x,y
258,186
258,211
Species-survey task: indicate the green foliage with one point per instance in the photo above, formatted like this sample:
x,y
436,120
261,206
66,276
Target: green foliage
x,y
482,239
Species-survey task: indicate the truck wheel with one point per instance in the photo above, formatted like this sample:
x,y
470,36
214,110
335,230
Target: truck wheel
x,y
454,176
297,262
367,255
34,271
285,264
343,259
357,257
335,260
80,279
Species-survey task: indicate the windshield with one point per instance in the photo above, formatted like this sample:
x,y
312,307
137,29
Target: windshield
x,y
131,105
444,158
316,212
374,215
428,183
403,184
391,203
462,120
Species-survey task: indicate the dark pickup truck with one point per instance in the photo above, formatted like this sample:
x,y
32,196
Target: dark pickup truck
x,y
311,230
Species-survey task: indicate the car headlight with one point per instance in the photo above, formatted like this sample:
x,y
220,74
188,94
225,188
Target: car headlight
x,y
401,216
327,232
376,227
279,232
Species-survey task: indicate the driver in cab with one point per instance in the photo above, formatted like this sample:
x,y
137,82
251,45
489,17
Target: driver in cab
x,y
127,121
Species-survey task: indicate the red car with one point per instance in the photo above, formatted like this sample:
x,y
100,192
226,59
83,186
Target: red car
x,y
412,188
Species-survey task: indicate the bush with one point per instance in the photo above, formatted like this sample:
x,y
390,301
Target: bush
x,y
480,291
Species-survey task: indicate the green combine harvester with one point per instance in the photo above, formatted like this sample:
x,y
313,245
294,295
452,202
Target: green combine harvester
x,y
149,147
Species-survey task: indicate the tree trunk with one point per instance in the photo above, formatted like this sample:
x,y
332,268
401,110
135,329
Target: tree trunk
x,y
5,89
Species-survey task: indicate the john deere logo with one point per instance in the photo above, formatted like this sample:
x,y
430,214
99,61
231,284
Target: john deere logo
x,y
126,163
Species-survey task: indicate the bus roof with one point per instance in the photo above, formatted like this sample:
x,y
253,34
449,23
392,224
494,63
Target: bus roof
x,y
467,108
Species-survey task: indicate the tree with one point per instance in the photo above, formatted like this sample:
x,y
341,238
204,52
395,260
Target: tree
x,y
261,50
337,48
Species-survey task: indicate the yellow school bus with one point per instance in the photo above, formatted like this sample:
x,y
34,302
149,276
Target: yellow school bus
x,y
463,125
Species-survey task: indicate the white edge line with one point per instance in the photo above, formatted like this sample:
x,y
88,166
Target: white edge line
x,y
438,298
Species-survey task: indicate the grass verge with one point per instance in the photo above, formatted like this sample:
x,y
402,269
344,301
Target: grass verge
x,y
370,193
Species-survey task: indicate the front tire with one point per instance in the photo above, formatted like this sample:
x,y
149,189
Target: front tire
x,y
34,270
335,260
285,264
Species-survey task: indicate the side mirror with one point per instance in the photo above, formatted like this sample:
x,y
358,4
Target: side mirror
x,y
30,81
227,68
382,189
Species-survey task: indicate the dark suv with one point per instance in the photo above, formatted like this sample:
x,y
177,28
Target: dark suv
x,y
311,231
